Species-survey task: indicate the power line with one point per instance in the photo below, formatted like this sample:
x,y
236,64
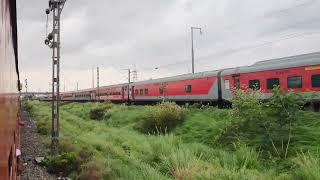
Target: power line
x,y
266,15
231,51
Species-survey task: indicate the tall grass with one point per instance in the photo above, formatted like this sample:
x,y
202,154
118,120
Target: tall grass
x,y
308,166
204,146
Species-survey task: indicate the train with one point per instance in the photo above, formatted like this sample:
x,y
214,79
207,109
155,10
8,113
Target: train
x,y
10,153
300,73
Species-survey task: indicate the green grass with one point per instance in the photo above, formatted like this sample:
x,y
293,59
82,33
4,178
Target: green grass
x,y
191,151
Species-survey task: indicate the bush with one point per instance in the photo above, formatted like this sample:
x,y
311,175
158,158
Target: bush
x,y
269,125
27,106
94,171
162,118
64,163
108,105
43,127
97,113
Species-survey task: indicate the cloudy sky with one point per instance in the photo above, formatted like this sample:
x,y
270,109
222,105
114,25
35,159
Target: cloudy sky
x,y
145,34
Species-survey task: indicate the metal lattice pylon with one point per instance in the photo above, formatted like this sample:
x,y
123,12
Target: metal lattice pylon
x,y
53,41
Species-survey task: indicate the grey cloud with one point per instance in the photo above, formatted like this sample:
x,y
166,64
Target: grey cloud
x,y
148,33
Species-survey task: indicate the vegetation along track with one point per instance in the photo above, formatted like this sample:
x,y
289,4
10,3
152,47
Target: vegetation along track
x,y
254,140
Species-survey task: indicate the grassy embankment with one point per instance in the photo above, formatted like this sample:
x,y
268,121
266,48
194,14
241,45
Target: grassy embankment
x,y
208,144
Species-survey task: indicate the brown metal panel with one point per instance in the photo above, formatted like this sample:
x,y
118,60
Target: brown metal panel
x,y
9,132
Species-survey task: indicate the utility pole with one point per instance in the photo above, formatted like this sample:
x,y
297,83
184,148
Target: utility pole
x,y
77,86
129,82
53,41
135,76
98,93
192,49
26,85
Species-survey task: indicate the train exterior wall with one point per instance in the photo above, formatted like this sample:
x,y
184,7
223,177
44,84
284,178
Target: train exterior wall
x,y
206,86
305,72
201,89
9,99
114,93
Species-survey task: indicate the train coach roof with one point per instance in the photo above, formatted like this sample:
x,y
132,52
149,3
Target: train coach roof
x,y
179,77
279,63
94,89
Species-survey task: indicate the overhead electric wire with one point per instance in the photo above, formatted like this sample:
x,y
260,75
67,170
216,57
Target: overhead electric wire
x,y
234,50
266,15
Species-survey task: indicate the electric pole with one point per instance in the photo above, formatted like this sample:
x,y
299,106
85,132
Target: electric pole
x,y
129,82
53,41
192,49
26,85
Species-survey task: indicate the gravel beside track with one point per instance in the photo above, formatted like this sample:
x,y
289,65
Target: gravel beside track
x,y
32,146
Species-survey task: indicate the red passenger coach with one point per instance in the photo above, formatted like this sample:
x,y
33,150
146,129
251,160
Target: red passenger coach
x,y
111,93
297,73
202,87
9,97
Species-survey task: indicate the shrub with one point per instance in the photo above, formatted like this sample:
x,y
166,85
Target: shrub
x,y
108,105
269,125
64,163
27,106
184,164
162,118
97,113
43,127
84,155
94,171
67,146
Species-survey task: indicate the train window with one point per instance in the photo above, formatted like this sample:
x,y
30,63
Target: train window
x,y
161,90
315,80
227,84
136,92
254,84
237,83
141,91
188,88
295,82
146,91
272,82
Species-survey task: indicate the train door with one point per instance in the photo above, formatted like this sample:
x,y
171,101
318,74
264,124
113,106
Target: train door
x,y
122,93
236,81
131,93
92,95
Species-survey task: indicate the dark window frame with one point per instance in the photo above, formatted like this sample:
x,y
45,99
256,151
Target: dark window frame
x,y
255,81
290,86
136,91
317,83
188,88
275,81
161,90
141,91
146,91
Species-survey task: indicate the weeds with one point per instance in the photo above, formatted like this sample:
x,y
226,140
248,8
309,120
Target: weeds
x,y
161,118
64,163
308,166
204,143
97,113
